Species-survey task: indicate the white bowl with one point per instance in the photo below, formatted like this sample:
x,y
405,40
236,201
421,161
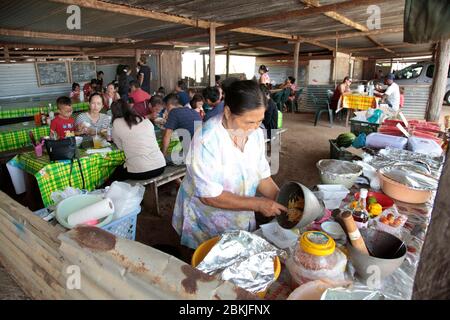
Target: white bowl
x,y
334,229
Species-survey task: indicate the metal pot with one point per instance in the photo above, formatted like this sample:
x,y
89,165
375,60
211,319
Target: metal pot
x,y
339,172
312,211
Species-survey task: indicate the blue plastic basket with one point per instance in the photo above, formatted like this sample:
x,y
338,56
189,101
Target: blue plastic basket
x,y
124,227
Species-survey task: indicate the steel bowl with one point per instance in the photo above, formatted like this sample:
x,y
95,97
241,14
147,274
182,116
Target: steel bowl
x,y
312,211
339,172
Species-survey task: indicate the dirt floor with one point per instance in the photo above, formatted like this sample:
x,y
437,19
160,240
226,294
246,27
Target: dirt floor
x,y
303,145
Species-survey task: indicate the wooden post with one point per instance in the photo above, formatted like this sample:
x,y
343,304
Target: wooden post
x,y
228,60
212,55
439,84
204,68
6,51
296,54
432,277
137,55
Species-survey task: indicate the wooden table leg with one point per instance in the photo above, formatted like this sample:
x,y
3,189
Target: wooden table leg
x,y
150,201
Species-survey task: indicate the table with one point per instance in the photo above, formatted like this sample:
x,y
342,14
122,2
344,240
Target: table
x,y
16,136
8,112
54,176
356,102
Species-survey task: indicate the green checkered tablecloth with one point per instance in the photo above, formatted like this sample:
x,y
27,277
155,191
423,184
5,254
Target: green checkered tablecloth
x,y
19,138
54,176
8,113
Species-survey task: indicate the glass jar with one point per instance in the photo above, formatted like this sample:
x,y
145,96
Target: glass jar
x,y
316,257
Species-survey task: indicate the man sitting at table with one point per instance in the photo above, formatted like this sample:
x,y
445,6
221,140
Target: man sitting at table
x,y
214,101
391,94
183,96
179,117
63,125
341,89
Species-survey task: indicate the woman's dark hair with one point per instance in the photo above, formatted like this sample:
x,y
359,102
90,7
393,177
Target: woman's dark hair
x,y
181,84
263,68
93,95
196,98
291,79
156,100
211,93
100,72
346,78
121,109
243,96
94,81
75,85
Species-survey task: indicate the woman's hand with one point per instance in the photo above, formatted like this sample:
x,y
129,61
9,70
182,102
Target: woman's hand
x,y
269,208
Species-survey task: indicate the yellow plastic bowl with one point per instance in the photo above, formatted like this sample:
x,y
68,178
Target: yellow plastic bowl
x,y
203,249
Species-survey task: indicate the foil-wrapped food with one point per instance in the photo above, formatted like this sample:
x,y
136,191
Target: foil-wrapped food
x,y
411,176
244,259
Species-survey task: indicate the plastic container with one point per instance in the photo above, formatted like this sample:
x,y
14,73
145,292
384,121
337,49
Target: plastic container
x,y
403,193
339,153
316,257
203,249
17,178
357,127
334,230
124,227
332,191
425,146
381,141
391,221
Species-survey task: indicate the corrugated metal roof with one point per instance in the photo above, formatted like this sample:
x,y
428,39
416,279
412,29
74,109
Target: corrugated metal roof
x,y
47,16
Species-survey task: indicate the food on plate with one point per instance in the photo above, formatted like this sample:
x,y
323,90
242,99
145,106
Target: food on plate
x,y
390,218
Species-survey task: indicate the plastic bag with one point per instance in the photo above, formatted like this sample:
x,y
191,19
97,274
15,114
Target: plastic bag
x,y
126,198
360,141
58,196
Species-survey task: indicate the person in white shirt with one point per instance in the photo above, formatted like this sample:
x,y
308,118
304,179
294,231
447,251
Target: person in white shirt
x,y
135,135
392,94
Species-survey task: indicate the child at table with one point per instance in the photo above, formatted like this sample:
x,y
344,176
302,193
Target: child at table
x,y
63,125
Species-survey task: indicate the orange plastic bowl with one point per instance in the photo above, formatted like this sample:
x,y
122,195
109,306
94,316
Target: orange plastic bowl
x,y
403,193
203,249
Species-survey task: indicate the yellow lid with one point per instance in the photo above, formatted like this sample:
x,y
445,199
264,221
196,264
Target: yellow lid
x,y
317,243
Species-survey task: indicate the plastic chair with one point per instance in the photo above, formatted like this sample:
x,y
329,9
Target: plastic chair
x,y
322,107
297,97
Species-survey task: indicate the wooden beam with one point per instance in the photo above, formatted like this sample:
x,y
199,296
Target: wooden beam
x,y
402,45
296,54
438,87
228,61
59,36
248,46
212,56
344,20
39,46
285,16
355,34
136,12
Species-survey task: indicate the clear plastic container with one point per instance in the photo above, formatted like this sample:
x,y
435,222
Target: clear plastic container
x,y
425,146
316,257
381,141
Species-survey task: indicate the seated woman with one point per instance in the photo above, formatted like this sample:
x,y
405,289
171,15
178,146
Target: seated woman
x,y
92,121
341,89
135,135
110,96
226,166
196,103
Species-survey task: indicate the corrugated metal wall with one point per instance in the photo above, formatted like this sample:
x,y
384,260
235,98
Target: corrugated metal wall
x,y
416,100
280,73
19,81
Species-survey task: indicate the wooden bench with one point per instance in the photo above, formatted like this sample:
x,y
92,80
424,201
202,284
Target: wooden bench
x,y
151,201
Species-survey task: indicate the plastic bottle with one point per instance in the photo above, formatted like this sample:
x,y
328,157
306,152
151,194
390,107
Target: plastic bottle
x,y
81,96
360,214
